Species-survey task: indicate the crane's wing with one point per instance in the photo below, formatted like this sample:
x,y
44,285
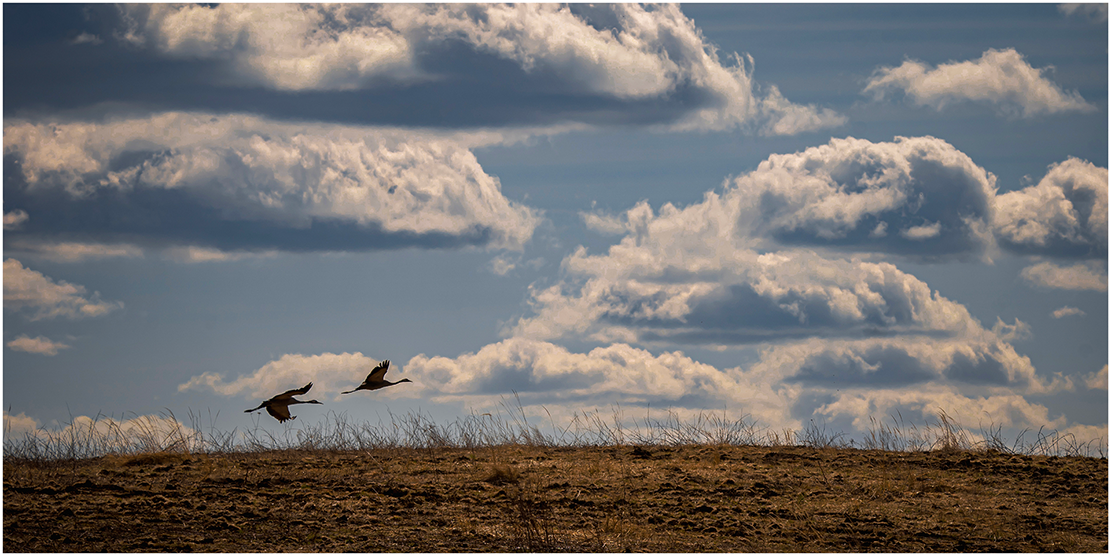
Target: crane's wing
x,y
290,393
279,412
379,372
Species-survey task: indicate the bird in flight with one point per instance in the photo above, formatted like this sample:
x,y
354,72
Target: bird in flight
x,y
377,379
278,406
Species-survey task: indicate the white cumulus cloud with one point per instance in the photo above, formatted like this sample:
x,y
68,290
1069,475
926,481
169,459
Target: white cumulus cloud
x,y
923,232
709,274
1090,275
286,46
774,391
43,298
540,372
695,274
1097,380
394,185
913,195
70,251
917,405
87,38
1012,332
832,323
603,223
18,426
625,51
1096,12
916,196
40,345
330,374
144,433
1065,214
1067,311
193,254
14,220
503,264
783,117
980,361
1001,78
635,294
1093,435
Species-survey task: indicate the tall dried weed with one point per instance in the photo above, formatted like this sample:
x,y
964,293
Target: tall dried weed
x,y
87,438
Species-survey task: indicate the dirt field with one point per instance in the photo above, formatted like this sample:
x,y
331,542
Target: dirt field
x,y
691,499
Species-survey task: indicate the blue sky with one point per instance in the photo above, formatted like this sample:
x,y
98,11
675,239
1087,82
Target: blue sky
x,y
792,212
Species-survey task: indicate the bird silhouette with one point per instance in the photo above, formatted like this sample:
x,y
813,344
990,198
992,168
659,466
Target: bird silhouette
x,y
278,406
377,379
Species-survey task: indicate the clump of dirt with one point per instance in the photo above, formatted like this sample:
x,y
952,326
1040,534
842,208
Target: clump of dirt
x,y
644,498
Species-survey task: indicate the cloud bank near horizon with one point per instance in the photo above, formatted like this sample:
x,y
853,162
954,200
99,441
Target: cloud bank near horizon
x,y
330,374
549,380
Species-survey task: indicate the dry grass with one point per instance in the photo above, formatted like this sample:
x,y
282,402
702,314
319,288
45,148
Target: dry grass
x,y
100,436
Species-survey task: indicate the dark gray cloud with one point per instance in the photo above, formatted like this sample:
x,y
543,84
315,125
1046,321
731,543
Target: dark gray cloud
x,y
540,371
473,89
879,366
738,314
977,368
160,218
887,365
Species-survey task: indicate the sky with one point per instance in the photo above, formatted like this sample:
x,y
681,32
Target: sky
x,y
796,214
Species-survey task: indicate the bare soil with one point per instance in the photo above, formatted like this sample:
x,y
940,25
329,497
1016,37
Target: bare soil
x,y
657,499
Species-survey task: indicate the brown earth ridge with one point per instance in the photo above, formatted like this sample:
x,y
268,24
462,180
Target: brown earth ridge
x,y
513,498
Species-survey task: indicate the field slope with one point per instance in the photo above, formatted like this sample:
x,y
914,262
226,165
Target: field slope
x,y
663,499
